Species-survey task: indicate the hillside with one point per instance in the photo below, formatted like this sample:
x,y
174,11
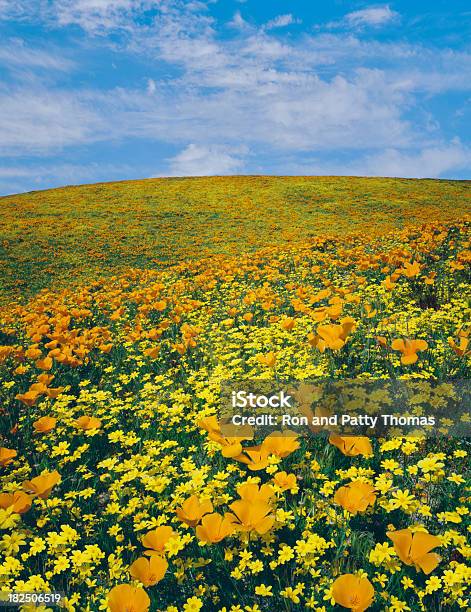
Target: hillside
x,y
74,234
120,481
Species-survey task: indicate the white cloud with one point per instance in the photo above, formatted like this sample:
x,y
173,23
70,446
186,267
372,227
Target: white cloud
x,y
34,121
238,22
435,161
151,87
204,160
41,176
432,162
19,55
281,21
373,16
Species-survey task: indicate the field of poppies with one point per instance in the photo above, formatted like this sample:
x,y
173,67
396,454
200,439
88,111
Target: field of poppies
x,y
124,308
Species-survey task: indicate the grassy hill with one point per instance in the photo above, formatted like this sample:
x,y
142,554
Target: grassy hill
x,y
115,467
52,238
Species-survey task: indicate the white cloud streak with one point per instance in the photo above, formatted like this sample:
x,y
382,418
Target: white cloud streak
x,y
372,16
281,21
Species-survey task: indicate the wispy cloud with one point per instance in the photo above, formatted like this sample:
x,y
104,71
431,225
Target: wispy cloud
x,y
37,121
372,16
281,21
44,175
15,53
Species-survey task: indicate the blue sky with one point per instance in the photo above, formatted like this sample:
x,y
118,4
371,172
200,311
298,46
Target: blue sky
x,y
101,90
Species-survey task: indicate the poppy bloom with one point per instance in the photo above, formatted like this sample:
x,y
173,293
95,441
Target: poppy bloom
x,y
414,548
288,323
215,527
127,598
460,349
153,352
409,349
86,423
351,446
411,269
286,482
42,485
20,501
252,492
280,443
149,571
355,497
252,515
7,455
192,510
269,359
255,458
353,592
155,540
45,424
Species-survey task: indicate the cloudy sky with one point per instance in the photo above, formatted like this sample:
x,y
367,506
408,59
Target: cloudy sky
x,y
100,90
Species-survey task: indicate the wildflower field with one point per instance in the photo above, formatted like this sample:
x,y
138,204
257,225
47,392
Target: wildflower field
x,y
125,305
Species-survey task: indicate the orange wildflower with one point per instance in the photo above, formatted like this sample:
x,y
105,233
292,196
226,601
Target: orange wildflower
x,y
215,528
149,571
20,501
414,548
127,598
156,540
6,455
252,515
192,510
269,359
355,497
286,482
351,446
45,424
409,349
280,443
353,592
87,422
42,485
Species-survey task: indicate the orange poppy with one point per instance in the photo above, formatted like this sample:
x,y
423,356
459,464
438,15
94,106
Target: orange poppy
x,y
6,455
127,598
149,571
355,497
351,446
45,424
20,501
42,485
252,515
353,592
155,540
192,510
215,527
409,349
87,422
414,548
